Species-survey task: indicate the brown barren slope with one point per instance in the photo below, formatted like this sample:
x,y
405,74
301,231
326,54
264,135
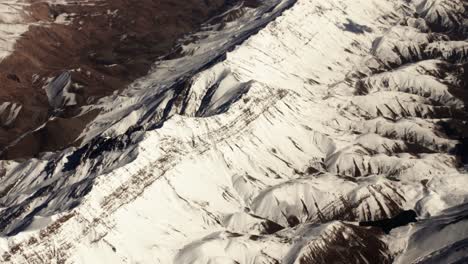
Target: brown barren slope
x,y
104,44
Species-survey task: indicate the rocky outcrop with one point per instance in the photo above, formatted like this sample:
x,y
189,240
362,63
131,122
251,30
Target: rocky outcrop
x,y
284,132
61,57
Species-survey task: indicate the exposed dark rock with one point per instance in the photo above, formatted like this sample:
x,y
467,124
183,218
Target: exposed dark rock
x,y
102,51
387,225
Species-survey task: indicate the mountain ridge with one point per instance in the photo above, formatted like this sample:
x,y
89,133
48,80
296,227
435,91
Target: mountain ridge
x,y
272,149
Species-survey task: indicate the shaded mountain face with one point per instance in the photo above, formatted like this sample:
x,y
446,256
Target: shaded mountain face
x,y
278,131
100,46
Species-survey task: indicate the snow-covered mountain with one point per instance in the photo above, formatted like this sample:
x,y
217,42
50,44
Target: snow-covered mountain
x,y
281,131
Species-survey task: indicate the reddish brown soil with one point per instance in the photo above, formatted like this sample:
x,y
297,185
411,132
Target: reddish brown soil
x,y
127,34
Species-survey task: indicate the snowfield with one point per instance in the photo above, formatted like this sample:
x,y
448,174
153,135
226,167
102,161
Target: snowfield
x,y
11,25
294,132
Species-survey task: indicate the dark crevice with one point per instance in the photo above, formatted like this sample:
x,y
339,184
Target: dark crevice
x,y
402,219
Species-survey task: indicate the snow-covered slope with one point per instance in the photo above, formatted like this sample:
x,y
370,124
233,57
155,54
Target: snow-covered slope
x,y
12,25
291,132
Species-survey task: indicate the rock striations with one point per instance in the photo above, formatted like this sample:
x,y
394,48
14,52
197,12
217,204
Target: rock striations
x,y
273,131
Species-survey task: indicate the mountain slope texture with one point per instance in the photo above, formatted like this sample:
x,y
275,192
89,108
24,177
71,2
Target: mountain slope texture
x,y
224,131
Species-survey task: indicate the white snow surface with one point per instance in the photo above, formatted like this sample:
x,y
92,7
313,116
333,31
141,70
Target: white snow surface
x,y
11,25
291,127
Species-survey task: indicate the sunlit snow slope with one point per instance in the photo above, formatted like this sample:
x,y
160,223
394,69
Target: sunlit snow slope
x,y
293,132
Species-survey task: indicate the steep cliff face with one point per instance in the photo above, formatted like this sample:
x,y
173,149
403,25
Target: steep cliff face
x,y
280,131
